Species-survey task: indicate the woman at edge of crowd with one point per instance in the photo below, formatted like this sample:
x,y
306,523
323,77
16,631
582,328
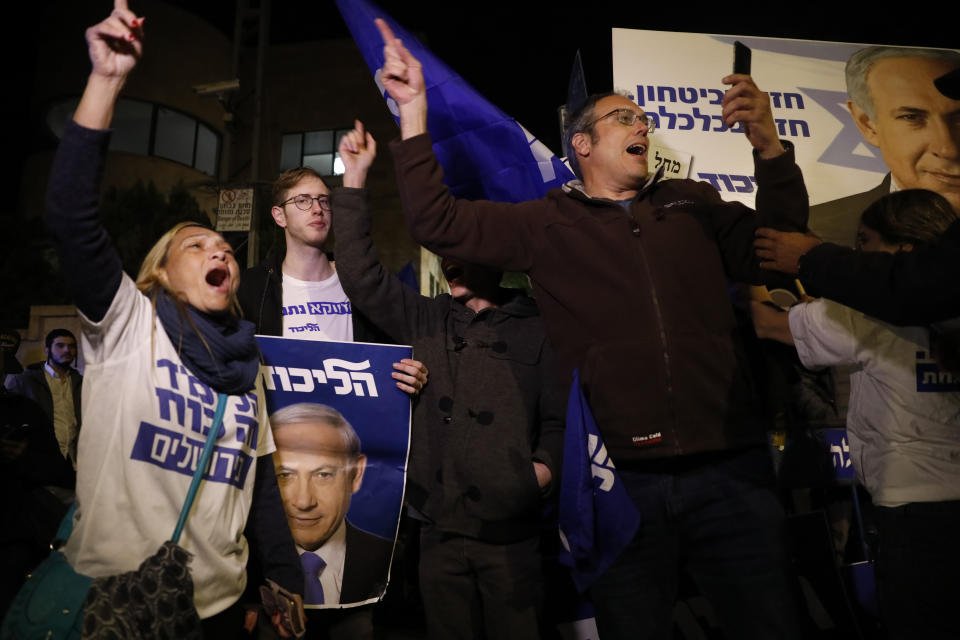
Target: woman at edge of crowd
x,y
171,339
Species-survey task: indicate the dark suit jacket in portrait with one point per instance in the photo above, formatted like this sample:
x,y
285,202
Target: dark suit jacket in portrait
x,y
366,563
836,221
365,566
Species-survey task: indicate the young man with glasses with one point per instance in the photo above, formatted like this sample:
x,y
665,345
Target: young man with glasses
x,y
297,294
632,274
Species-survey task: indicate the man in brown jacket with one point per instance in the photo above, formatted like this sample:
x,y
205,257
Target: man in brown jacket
x,y
631,275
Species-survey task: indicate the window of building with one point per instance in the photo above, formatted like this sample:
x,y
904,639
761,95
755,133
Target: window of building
x,y
131,127
314,149
152,130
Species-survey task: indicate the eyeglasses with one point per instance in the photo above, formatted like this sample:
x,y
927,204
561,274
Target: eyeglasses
x,y
305,202
627,117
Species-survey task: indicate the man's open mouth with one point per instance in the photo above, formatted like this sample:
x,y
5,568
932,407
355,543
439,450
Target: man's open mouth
x,y
636,149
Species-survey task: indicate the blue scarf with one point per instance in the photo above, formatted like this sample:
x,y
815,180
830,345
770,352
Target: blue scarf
x,y
235,360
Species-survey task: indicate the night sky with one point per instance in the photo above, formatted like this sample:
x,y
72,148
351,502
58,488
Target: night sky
x,y
519,53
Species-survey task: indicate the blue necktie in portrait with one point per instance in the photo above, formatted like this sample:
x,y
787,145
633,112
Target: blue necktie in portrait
x,y
313,566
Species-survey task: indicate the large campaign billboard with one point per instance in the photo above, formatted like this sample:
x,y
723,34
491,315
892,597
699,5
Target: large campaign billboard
x,y
891,132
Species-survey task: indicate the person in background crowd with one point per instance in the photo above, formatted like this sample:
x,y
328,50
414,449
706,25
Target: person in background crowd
x,y
56,386
35,479
903,425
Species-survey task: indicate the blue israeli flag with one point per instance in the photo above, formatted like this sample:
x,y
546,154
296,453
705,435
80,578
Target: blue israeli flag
x,y
485,154
597,518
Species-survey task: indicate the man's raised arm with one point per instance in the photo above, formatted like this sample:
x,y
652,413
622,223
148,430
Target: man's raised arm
x,y
403,77
907,288
744,103
495,234
781,201
378,294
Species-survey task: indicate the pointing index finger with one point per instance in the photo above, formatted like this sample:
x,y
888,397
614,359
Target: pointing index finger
x,y
385,31
122,11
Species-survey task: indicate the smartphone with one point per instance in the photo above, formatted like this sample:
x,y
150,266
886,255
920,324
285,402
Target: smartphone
x,y
275,598
741,58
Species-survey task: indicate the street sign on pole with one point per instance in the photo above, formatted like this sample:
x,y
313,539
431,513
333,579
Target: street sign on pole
x,y
234,210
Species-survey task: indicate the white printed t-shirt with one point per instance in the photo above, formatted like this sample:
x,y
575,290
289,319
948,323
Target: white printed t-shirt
x,y
316,310
903,422
145,422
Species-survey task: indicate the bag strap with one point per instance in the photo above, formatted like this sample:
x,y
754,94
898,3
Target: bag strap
x,y
66,527
202,465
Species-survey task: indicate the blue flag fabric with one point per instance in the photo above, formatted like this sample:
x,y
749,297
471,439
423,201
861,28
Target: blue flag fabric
x,y
485,154
597,518
408,276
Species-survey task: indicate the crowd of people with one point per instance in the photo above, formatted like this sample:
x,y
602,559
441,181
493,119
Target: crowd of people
x,y
631,287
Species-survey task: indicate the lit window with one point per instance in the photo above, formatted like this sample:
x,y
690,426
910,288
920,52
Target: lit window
x,y
314,149
151,130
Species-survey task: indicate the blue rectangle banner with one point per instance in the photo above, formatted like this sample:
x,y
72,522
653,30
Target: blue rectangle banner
x,y
336,496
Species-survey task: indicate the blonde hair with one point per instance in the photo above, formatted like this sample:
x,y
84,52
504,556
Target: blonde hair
x,y
152,275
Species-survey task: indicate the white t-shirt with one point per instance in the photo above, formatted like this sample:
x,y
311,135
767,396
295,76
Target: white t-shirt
x,y
145,422
316,310
903,422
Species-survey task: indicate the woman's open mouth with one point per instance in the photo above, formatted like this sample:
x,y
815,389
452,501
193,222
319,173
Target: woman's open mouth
x,y
218,277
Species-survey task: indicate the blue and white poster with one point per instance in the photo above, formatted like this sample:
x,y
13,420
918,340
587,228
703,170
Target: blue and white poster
x,y
342,430
856,136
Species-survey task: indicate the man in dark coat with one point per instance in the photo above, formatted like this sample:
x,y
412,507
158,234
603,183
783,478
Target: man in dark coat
x,y
56,386
487,429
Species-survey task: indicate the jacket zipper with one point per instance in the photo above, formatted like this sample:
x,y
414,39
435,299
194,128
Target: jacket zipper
x,y
663,335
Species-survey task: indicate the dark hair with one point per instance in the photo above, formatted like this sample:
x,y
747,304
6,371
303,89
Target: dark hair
x,y
58,333
914,216
288,180
578,122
